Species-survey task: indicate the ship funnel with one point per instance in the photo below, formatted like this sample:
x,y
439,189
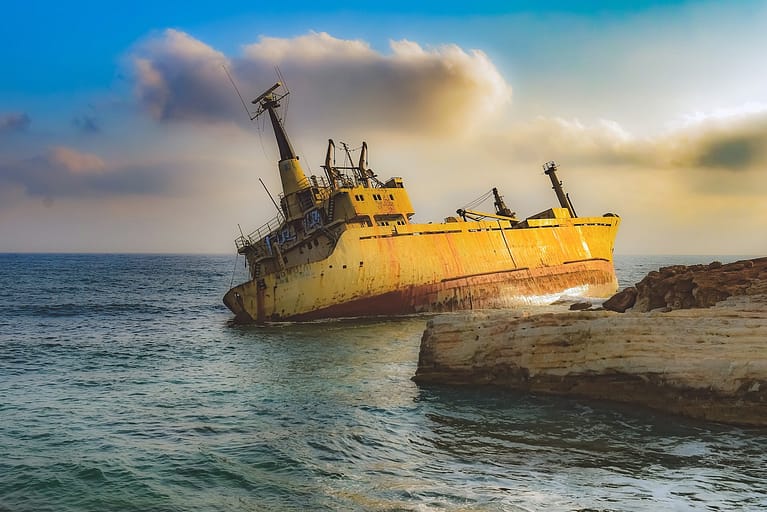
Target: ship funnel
x,y
550,169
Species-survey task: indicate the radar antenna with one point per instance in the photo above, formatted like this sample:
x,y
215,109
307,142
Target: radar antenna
x,y
269,101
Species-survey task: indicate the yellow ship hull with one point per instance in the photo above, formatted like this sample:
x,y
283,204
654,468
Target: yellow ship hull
x,y
413,268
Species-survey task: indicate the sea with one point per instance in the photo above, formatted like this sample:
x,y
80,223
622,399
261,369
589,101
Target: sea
x,y
124,387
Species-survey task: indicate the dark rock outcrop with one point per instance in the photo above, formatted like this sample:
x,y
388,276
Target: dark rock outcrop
x,y
621,301
698,286
580,306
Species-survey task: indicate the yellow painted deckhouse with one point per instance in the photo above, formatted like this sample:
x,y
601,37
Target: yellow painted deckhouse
x,y
343,245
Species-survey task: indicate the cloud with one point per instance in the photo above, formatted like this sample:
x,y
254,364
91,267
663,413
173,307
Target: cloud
x,y
737,143
333,81
86,124
181,78
75,162
734,143
66,172
542,139
14,122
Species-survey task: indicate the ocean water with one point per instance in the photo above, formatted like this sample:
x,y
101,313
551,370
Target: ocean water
x,y
124,388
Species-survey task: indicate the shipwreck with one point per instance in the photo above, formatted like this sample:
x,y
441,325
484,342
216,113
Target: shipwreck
x,y
343,245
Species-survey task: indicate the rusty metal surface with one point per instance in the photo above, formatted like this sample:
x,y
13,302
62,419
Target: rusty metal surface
x,y
437,267
490,291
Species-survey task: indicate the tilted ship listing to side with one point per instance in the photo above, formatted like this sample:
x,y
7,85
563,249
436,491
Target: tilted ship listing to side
x,y
343,245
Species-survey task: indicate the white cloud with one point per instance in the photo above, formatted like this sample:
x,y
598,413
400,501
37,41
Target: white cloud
x,y
336,82
311,47
714,142
181,78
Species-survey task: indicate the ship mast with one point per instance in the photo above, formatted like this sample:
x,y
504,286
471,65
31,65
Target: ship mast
x,y
269,102
500,206
291,174
550,169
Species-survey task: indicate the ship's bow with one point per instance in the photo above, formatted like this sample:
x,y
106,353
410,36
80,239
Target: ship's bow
x,y
234,300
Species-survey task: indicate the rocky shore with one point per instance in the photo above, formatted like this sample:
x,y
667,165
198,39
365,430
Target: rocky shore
x,y
693,341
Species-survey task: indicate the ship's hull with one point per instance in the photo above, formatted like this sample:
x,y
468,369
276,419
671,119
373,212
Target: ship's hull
x,y
438,267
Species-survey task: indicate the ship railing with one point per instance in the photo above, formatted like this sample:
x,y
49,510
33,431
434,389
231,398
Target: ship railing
x,y
341,180
320,183
314,181
324,188
252,238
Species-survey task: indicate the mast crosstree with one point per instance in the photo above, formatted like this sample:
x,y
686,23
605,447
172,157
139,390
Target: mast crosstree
x,y
270,102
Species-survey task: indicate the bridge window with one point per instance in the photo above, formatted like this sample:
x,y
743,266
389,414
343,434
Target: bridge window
x,y
388,220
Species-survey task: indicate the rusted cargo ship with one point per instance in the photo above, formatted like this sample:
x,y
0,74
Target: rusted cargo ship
x,y
343,245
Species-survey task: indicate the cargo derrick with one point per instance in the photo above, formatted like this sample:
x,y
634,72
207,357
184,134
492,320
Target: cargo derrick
x,y
343,245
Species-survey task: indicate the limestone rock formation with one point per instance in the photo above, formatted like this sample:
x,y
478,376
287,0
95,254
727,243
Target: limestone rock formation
x,y
702,362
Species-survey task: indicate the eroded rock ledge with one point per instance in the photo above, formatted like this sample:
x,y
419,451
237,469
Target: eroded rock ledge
x,y
708,363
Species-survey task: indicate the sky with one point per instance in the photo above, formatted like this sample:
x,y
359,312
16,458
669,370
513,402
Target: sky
x,y
120,131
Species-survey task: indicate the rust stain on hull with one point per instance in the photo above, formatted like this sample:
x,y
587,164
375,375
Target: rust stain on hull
x,y
487,291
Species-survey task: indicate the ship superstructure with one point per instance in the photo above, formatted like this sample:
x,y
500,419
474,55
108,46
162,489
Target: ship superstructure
x,y
343,245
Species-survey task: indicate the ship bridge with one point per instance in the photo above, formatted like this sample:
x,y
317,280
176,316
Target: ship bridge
x,y
314,211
